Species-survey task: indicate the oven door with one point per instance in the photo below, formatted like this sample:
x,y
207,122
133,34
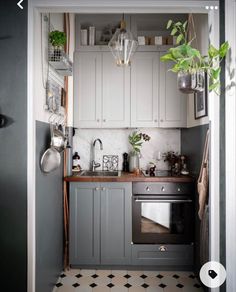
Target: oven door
x,y
162,219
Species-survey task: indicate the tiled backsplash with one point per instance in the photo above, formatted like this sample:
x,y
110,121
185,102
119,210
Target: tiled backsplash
x,y
115,142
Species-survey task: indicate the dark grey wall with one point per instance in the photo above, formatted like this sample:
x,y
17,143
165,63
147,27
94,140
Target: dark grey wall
x,y
49,217
192,145
13,147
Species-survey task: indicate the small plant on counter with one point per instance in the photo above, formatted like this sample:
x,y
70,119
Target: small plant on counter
x,y
136,140
171,157
190,64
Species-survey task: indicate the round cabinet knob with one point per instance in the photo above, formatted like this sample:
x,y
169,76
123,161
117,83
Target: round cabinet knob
x,y
179,189
104,120
161,120
162,189
162,248
103,189
147,189
155,120
96,189
98,120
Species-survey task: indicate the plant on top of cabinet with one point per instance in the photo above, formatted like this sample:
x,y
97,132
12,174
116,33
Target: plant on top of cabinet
x,y
136,140
190,64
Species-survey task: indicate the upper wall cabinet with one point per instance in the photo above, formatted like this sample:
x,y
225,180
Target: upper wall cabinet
x,y
144,89
173,103
87,90
115,93
101,92
107,96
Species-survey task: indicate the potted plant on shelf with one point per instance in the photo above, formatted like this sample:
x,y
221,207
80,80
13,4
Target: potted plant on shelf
x,y
190,65
136,140
57,39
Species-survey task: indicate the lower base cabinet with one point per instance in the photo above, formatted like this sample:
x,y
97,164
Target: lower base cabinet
x,y
100,231
100,224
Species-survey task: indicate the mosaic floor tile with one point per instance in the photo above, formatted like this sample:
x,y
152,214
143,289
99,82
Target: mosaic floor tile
x,y
169,281
137,289
154,289
83,289
136,281
76,280
87,272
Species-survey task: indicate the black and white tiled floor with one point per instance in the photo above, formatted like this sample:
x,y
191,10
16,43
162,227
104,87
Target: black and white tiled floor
x,y
83,280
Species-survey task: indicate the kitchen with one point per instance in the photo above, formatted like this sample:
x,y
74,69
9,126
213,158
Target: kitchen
x,y
159,143
104,98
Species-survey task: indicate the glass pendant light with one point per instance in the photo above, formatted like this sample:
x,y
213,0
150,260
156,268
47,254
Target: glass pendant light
x,y
122,45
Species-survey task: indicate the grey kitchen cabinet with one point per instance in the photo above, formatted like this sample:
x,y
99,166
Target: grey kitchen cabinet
x,y
87,90
84,230
173,103
101,91
145,89
100,223
108,96
116,223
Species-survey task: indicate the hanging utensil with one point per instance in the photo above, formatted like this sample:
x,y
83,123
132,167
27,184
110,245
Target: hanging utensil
x,y
58,140
50,160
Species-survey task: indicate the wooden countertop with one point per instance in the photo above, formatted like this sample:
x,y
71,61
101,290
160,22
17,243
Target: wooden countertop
x,y
128,177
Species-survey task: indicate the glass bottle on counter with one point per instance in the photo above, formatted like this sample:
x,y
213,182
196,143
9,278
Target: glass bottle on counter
x,y
75,163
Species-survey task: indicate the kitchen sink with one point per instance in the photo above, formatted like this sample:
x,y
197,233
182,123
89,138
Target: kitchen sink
x,y
99,173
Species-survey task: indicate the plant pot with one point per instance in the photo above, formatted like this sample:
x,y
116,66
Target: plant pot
x,y
191,82
133,161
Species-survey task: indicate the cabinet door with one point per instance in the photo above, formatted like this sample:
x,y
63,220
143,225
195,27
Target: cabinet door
x,y
116,223
115,94
173,103
87,89
144,89
84,223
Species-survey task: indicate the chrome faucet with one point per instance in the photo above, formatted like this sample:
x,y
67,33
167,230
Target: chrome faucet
x,y
94,163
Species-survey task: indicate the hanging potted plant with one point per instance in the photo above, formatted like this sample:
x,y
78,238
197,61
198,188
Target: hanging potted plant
x,y
136,140
190,65
57,39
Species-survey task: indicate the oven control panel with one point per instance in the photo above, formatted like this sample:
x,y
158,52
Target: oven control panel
x,y
158,188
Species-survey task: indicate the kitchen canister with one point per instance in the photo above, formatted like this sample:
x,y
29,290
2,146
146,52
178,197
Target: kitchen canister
x,y
92,35
84,37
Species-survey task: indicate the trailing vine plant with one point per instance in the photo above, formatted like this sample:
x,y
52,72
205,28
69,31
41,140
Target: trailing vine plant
x,y
188,59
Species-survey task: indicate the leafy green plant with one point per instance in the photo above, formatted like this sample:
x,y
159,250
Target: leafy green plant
x,y
136,140
189,60
57,38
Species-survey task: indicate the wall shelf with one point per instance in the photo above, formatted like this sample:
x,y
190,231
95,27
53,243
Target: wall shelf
x,y
60,61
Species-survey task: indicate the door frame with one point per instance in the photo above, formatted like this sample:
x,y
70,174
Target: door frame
x,y
35,7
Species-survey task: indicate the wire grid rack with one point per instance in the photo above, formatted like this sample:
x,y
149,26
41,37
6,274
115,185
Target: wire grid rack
x,y
60,61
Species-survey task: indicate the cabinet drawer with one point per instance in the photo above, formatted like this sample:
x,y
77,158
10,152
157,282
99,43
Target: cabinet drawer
x,y
162,255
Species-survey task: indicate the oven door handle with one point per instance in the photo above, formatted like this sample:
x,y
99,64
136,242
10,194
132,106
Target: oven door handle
x,y
163,201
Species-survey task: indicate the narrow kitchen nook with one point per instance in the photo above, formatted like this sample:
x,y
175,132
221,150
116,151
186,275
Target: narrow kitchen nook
x,y
119,152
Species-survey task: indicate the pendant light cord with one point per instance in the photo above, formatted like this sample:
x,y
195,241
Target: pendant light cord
x,y
122,23
189,31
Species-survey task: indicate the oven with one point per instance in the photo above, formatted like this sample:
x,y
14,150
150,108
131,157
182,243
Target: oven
x,y
162,213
